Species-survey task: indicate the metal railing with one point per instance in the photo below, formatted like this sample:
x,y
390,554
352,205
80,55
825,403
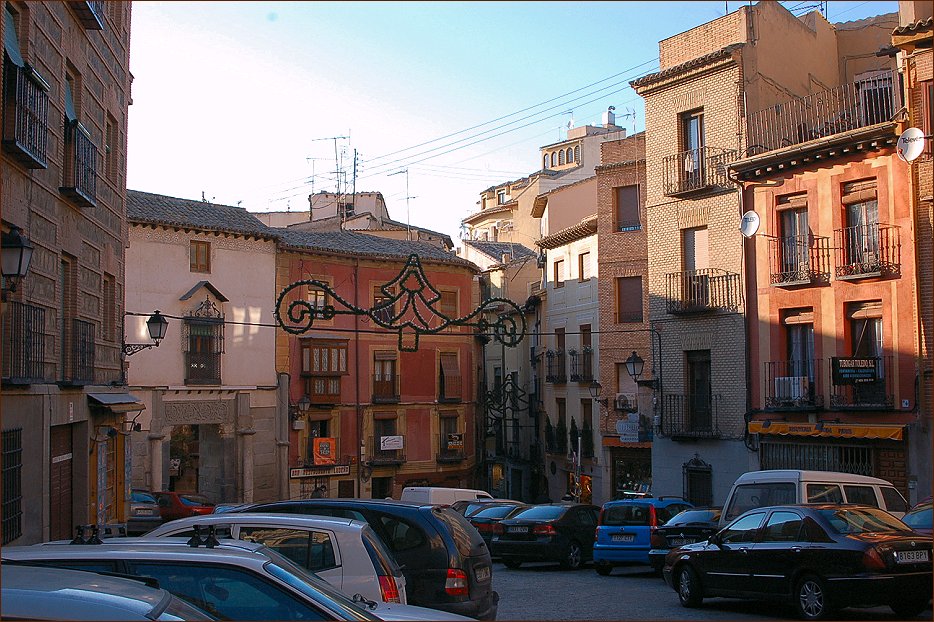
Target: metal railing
x,y
697,169
79,178
26,116
555,368
691,416
386,389
79,363
203,368
793,385
582,366
24,342
698,291
840,109
799,260
380,456
90,13
877,392
867,250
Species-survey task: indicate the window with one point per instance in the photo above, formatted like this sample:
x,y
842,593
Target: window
x,y
79,173
559,273
692,145
316,428
799,330
577,153
307,548
554,159
500,197
384,307
384,424
629,299
695,279
583,266
698,483
204,344
824,493
12,484
545,161
743,530
199,255
448,304
561,157
561,427
627,208
111,148
451,443
449,380
700,415
25,101
861,235
570,156
385,381
876,99
864,495
109,312
783,527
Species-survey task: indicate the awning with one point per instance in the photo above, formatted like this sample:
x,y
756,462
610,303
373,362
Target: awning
x,y
11,42
117,402
613,441
837,430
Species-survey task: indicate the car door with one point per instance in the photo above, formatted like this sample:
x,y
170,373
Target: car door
x,y
779,552
314,549
725,565
586,526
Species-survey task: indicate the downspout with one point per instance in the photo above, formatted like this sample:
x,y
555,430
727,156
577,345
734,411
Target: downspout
x,y
356,343
282,433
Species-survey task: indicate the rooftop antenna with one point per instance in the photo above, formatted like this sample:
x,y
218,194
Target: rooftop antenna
x,y
408,220
630,113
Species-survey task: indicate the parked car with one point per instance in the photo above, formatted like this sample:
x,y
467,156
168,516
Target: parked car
x,y
446,564
556,532
688,527
486,518
441,495
344,552
144,514
818,558
39,593
174,505
233,580
469,507
220,508
919,518
625,527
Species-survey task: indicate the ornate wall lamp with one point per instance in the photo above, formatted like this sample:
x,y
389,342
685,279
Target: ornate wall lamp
x,y
157,326
595,389
17,252
634,366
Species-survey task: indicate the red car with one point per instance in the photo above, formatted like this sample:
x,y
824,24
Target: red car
x,y
174,505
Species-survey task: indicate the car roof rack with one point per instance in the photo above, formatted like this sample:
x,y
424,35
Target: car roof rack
x,y
87,534
208,540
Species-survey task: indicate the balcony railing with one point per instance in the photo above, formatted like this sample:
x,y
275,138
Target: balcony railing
x,y
868,250
26,116
582,366
79,354
696,170
690,416
699,291
380,456
203,368
23,343
862,383
386,390
840,109
79,178
451,449
555,368
793,385
799,260
449,388
90,13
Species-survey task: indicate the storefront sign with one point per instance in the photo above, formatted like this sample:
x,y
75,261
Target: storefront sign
x,y
322,471
323,450
628,429
390,443
851,370
455,441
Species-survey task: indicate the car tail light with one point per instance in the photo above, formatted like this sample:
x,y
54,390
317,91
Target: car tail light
x,y
388,589
872,559
653,517
456,583
600,518
544,530
498,529
657,540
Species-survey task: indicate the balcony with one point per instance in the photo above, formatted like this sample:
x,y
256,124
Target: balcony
x,y
793,385
26,116
555,369
89,13
691,417
799,260
451,448
843,108
323,390
582,366
449,388
866,251
697,170
23,343
79,354
859,383
79,178
384,457
203,368
700,291
386,390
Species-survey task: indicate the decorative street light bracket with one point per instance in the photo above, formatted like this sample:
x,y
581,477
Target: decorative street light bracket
x,y
157,326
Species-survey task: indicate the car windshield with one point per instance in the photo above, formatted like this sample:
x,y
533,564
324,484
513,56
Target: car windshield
x,y
545,512
689,517
142,497
918,518
500,511
626,514
861,520
193,500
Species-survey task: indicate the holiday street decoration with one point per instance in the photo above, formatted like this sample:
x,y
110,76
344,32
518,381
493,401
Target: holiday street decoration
x,y
409,307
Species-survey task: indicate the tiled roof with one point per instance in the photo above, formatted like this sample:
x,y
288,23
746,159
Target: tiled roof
x,y
581,230
353,243
496,250
700,61
921,24
158,209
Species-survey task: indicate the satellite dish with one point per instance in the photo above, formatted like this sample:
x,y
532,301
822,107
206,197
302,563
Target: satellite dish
x,y
910,144
749,224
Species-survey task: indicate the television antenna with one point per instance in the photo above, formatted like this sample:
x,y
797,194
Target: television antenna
x,y
408,217
630,114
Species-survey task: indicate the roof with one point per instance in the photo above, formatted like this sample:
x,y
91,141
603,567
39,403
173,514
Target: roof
x,y
584,228
496,250
913,27
694,63
159,209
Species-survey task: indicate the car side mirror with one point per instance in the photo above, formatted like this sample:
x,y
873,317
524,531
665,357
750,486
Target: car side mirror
x,y
715,539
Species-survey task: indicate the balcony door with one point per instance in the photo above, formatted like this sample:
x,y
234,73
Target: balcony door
x,y
861,237
699,390
866,338
795,232
692,139
695,284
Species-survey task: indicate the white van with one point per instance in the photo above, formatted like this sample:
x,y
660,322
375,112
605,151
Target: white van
x,y
786,486
440,495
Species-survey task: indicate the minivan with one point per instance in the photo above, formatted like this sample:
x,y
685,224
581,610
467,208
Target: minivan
x,y
441,496
791,486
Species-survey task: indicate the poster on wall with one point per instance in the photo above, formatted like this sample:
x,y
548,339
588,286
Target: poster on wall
x,y
323,450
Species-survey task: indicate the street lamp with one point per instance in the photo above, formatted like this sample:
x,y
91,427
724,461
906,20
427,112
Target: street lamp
x,y
16,254
595,389
635,365
157,326
304,404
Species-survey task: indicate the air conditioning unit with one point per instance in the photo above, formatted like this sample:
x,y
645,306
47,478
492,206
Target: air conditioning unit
x,y
791,388
625,402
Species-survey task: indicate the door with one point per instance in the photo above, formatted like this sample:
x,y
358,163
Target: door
x,y
699,408
795,262
314,549
60,477
867,343
861,239
727,566
695,286
779,552
692,139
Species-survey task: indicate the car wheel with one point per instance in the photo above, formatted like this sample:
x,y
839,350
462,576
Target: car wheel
x,y
811,598
574,557
603,569
512,563
689,588
909,608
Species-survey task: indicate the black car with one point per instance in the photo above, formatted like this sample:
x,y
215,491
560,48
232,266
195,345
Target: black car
x,y
818,557
558,532
486,518
469,507
687,527
446,563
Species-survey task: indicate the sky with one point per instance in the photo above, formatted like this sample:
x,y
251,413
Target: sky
x,y
260,104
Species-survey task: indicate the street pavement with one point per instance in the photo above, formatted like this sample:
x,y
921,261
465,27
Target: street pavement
x,y
539,591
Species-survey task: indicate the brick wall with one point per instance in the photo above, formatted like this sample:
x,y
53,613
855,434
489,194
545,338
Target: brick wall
x,y
703,39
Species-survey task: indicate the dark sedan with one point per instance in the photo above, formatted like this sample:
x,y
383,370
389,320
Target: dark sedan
x,y
817,557
687,527
551,532
485,519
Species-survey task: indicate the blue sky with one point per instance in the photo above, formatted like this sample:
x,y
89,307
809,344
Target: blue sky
x,y
243,101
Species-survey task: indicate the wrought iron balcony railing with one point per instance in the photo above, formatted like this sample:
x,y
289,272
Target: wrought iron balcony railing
x,y
696,170
862,383
691,416
449,388
203,368
26,116
699,291
793,385
868,250
24,342
379,456
386,390
90,13
799,260
581,366
451,449
555,368
79,178
843,108
79,354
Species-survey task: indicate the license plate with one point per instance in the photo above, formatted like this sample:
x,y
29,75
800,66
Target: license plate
x,y
680,541
144,512
517,530
483,573
623,537
908,557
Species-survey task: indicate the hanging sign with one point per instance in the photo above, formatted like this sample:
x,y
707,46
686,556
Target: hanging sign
x,y
323,450
851,370
390,443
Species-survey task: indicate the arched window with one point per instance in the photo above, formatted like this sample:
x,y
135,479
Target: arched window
x,y
560,157
545,161
554,160
577,153
570,155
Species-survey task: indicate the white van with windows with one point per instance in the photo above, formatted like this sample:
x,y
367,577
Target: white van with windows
x,y
789,486
439,495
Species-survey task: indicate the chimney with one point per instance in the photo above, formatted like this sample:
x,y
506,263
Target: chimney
x,y
609,117
507,257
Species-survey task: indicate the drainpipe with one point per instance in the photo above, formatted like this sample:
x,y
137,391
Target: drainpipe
x,y
361,450
282,434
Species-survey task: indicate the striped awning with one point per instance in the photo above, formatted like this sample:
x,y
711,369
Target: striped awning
x,y
833,430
